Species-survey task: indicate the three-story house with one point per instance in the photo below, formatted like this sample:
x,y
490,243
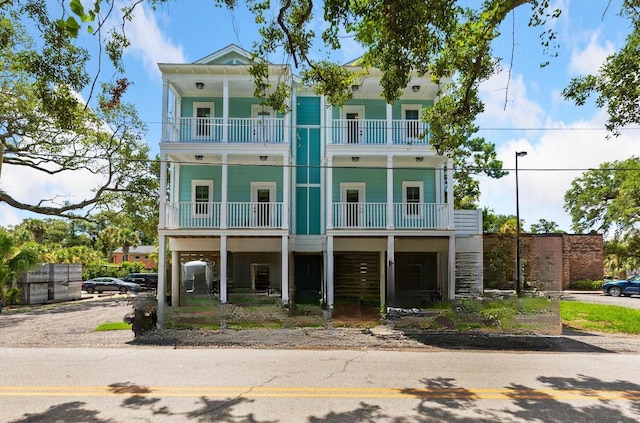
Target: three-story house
x,y
333,204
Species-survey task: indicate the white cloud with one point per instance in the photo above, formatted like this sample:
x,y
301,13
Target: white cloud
x,y
150,43
29,186
555,158
589,59
519,112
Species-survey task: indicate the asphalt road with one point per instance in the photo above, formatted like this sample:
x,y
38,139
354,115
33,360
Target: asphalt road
x,y
244,385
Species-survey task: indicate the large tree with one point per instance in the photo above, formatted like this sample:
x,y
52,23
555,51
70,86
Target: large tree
x,y
607,200
57,117
441,38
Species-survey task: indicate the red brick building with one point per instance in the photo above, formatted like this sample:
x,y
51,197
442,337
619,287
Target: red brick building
x,y
136,254
549,261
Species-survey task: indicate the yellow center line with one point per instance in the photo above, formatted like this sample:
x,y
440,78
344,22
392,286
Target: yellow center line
x,y
318,392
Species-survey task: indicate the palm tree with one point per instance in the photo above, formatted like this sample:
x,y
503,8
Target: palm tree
x,y
128,238
14,260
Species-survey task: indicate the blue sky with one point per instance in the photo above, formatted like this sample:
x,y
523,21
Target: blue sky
x,y
524,108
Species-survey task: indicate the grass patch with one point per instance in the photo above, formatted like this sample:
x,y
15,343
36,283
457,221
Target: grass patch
x,y
113,326
600,318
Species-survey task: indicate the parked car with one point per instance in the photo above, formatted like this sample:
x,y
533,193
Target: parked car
x,y
100,285
145,280
617,288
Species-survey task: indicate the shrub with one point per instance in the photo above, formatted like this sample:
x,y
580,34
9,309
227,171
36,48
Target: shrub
x,y
586,285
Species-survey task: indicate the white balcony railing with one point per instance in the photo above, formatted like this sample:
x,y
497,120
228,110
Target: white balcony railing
x,y
405,216
360,215
376,132
421,215
250,215
239,130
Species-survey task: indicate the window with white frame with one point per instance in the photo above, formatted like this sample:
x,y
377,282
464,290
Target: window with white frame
x,y
201,195
412,198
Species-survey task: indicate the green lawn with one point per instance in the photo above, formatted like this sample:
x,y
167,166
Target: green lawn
x,y
113,326
600,318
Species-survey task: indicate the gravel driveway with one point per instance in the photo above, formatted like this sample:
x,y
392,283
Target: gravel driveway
x,y
73,325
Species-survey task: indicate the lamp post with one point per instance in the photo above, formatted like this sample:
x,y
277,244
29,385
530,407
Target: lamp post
x,y
518,267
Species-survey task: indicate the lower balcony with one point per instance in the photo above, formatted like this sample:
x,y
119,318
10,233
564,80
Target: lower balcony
x,y
405,216
240,215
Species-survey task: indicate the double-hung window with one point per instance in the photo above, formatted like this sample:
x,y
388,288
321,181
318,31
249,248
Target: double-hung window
x,y
412,198
201,194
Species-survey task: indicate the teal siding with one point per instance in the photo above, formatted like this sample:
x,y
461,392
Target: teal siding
x,y
240,178
427,176
302,226
238,107
314,211
308,211
187,105
190,172
308,111
375,183
396,110
302,156
314,156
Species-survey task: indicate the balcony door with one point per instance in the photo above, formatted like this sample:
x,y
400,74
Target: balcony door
x,y
352,199
354,124
262,197
202,124
263,123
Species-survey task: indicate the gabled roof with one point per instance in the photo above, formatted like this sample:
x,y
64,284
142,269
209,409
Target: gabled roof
x,y
229,55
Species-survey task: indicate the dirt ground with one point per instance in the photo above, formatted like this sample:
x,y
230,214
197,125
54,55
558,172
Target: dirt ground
x,y
73,325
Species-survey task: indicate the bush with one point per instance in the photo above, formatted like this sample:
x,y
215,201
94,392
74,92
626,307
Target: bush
x,y
586,285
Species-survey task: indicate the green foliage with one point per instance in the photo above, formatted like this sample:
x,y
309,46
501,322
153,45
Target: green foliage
x,y
586,285
544,226
15,259
113,326
600,318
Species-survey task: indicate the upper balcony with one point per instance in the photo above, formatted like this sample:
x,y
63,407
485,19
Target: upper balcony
x,y
232,130
379,132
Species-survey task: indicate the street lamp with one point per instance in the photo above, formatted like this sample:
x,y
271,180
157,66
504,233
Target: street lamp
x,y
518,267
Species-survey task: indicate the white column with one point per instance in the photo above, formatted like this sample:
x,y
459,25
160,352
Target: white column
x,y
390,206
175,279
161,294
286,187
330,272
450,181
225,110
223,269
389,124
328,122
452,267
285,269
391,266
165,111
289,119
162,218
224,193
329,188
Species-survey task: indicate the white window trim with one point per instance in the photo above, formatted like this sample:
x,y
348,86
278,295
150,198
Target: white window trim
x,y
360,186
408,184
406,107
197,183
255,186
257,108
196,106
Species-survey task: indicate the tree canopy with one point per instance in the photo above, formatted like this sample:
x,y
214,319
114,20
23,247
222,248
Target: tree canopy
x,y
58,117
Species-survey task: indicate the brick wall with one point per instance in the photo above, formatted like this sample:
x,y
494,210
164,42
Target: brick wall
x,y
549,261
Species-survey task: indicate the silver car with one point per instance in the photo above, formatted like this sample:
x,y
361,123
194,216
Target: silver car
x,y
100,285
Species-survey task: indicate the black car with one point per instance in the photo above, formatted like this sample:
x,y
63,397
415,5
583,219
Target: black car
x,y
147,281
100,285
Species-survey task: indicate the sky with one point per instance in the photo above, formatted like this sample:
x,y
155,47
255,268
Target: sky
x,y
524,108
